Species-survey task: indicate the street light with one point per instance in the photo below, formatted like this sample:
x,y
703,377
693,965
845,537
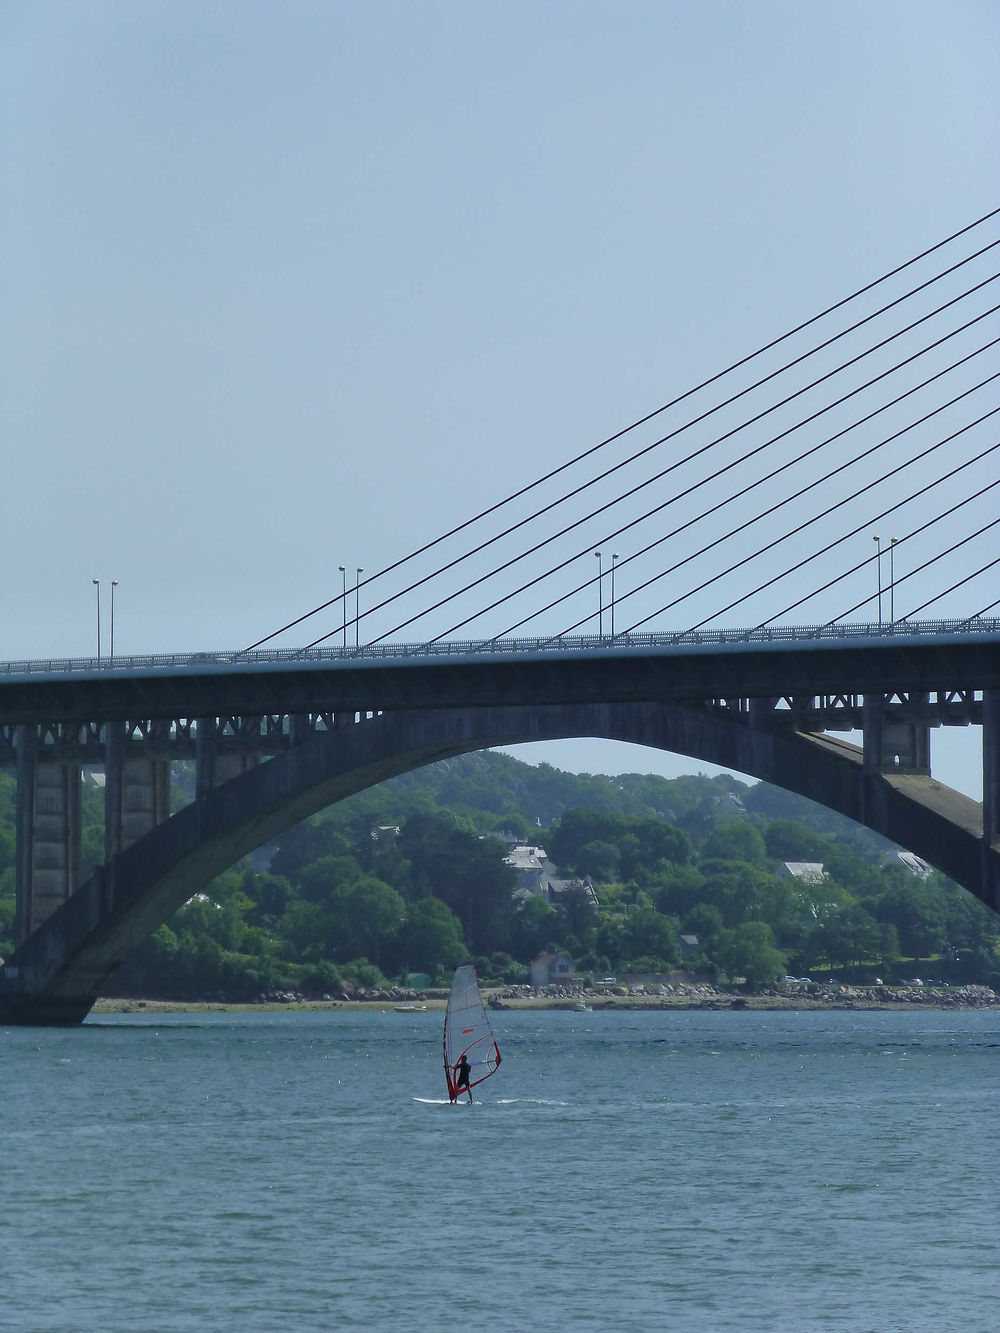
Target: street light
x,y
357,618
878,564
97,585
343,595
892,580
600,595
614,561
114,585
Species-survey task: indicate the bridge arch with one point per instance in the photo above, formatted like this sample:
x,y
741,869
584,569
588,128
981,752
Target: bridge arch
x,y
58,972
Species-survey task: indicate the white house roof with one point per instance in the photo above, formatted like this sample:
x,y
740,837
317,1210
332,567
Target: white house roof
x,y
809,871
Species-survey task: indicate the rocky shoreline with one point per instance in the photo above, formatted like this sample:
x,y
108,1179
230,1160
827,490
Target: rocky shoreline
x,y
597,1000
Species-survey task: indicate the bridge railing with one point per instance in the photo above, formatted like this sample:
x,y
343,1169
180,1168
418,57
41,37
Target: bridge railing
x,y
127,664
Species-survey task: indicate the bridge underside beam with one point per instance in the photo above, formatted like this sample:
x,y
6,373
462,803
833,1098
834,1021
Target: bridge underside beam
x,y
60,970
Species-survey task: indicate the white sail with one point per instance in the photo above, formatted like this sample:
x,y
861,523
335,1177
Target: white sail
x,y
468,1032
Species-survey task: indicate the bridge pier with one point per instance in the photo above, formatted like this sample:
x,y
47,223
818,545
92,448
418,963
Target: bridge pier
x,y
47,829
215,764
991,796
136,792
894,747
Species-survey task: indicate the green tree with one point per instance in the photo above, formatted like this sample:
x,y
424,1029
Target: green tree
x,y
683,888
319,881
268,895
467,872
534,928
431,937
367,914
790,840
305,843
650,934
749,951
735,840
705,921
918,915
599,860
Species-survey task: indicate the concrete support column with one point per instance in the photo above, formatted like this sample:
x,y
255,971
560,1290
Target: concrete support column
x,y
136,792
893,747
299,729
47,830
213,765
991,766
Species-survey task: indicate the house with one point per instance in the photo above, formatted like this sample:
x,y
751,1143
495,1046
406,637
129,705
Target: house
x,y
910,861
688,945
551,969
809,872
537,877
555,889
529,863
731,803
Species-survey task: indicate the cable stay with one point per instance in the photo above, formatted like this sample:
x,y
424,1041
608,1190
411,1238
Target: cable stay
x,y
947,513
703,449
592,450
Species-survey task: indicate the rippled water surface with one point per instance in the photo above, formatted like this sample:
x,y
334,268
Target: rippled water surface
x,y
631,1171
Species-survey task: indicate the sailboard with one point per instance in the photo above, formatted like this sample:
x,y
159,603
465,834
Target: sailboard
x,y
469,1033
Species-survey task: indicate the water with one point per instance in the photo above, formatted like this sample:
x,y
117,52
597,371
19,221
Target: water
x,y
630,1171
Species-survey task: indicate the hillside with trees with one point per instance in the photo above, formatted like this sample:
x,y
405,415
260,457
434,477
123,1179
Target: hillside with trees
x,y
413,876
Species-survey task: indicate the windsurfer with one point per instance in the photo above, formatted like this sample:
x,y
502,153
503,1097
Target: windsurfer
x,y
462,1071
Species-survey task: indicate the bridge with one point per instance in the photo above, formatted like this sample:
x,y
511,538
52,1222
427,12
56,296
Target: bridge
x,y
277,733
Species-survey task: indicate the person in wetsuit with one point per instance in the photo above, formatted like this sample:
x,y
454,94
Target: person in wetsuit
x,y
462,1071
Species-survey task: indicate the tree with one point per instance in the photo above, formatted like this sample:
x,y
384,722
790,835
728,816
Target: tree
x,y
576,829
683,887
431,937
705,921
850,936
735,840
318,881
918,915
467,872
743,892
305,843
367,913
749,951
648,933
269,895
599,860
534,927
790,840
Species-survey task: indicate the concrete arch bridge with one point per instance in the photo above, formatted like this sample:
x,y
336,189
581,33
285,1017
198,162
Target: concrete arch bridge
x,y
278,739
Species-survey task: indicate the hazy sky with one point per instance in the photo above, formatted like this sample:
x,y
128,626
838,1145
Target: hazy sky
x,y
294,285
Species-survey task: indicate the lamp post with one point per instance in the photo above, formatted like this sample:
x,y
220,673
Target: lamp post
x,y
114,585
600,595
892,580
614,561
357,617
343,598
97,585
878,565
